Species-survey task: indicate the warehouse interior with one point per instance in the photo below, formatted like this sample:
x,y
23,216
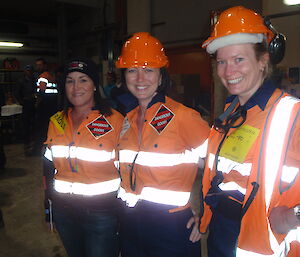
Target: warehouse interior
x,y
59,30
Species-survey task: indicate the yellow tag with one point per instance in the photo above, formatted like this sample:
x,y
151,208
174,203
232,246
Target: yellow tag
x,y
238,143
59,121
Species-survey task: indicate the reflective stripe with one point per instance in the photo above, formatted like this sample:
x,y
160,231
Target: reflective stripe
x,y
163,159
130,198
275,142
51,88
211,160
226,165
48,154
232,186
200,151
155,195
42,80
87,189
289,173
51,91
81,153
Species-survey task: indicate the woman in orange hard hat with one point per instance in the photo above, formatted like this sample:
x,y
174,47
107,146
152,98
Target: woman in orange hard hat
x,y
159,149
251,144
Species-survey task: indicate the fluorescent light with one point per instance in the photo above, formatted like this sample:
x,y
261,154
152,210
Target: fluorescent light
x,y
10,44
291,2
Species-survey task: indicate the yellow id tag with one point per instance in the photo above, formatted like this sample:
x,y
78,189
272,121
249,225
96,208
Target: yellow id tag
x,y
59,121
238,143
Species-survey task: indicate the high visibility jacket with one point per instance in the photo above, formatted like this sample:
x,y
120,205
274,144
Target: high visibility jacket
x,y
250,159
84,162
286,191
46,83
164,163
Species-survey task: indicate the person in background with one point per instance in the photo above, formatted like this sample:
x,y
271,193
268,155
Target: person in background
x,y
247,146
46,103
159,149
81,181
26,92
111,85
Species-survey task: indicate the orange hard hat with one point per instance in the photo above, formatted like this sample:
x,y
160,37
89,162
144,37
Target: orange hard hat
x,y
238,21
142,50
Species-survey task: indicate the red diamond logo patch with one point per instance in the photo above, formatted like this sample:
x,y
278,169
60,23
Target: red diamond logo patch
x,y
99,127
162,119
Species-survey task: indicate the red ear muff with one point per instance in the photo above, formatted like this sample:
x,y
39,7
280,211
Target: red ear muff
x,y
277,44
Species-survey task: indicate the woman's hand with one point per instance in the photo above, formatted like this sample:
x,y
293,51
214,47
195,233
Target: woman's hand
x,y
195,234
283,219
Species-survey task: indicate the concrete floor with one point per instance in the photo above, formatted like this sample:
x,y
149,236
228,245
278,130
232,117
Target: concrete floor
x,y
21,199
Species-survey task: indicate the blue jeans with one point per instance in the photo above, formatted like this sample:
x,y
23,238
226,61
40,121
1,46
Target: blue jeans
x,y
149,230
87,232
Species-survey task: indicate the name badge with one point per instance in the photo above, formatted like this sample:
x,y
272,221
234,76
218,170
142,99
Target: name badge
x,y
239,143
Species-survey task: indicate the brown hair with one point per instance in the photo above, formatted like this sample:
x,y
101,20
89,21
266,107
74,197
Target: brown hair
x,y
260,49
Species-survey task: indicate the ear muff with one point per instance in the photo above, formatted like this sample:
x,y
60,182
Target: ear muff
x,y
277,44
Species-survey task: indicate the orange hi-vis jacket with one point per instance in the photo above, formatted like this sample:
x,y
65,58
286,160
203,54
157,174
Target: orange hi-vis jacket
x,y
46,83
163,166
84,163
250,159
287,188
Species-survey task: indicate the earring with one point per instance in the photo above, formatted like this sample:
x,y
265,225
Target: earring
x,y
94,89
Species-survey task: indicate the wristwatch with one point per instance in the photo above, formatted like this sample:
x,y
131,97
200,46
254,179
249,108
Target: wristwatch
x,y
297,211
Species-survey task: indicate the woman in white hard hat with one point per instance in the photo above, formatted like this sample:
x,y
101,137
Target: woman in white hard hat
x,y
249,146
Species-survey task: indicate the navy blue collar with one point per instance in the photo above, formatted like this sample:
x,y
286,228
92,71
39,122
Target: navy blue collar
x,y
130,102
260,97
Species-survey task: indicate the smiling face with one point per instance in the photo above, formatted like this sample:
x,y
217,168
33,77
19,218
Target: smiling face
x,y
240,71
143,83
80,89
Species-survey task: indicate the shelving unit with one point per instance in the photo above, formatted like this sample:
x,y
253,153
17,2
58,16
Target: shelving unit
x,y
8,81
10,125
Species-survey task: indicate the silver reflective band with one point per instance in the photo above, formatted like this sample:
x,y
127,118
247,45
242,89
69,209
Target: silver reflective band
x,y
211,160
87,189
155,195
226,165
51,88
48,154
82,153
152,159
51,91
232,186
42,80
289,173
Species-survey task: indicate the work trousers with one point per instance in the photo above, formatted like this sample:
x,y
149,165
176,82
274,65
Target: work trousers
x,y
87,231
150,230
224,227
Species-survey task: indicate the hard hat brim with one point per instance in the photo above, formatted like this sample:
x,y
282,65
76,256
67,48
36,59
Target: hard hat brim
x,y
213,44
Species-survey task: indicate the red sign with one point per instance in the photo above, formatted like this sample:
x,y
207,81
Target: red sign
x,y
162,119
99,127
